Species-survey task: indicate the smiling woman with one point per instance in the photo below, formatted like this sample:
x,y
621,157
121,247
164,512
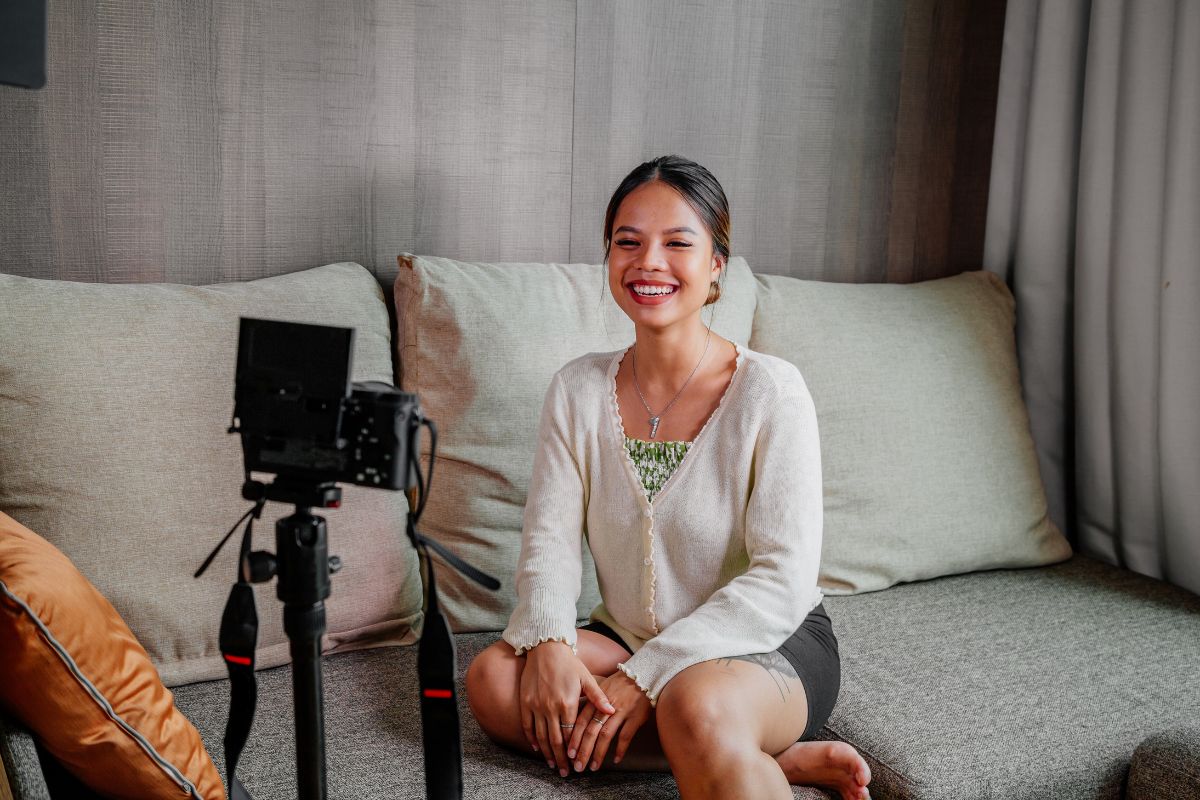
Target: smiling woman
x,y
724,682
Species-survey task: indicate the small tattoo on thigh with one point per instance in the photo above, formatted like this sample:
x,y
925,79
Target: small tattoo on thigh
x,y
778,667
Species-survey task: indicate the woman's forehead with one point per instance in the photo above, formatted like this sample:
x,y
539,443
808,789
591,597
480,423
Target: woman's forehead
x,y
656,207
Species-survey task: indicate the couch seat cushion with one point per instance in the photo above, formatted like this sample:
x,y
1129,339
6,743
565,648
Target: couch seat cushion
x,y
1030,683
1035,682
373,730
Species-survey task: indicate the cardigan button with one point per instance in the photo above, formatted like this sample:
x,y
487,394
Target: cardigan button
x,y
646,561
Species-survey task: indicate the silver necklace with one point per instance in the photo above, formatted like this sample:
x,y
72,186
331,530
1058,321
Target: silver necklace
x,y
654,419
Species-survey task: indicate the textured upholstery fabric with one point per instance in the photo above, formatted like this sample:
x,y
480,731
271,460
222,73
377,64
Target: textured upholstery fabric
x,y
928,462
1166,764
114,405
18,752
373,724
1007,683
73,672
1014,682
479,344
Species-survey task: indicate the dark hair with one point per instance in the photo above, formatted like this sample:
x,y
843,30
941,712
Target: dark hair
x,y
695,184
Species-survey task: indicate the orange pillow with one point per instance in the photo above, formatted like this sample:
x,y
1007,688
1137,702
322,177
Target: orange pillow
x,y
73,673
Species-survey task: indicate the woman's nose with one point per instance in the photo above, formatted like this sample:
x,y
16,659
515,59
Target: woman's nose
x,y
654,256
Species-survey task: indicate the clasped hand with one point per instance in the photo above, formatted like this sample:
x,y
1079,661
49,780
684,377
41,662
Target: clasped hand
x,y
554,683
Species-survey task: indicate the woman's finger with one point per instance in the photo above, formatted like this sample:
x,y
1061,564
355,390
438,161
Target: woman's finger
x,y
544,740
623,741
606,727
596,695
527,726
558,744
585,713
587,745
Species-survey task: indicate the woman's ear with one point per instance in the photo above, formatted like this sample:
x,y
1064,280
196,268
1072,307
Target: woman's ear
x,y
718,265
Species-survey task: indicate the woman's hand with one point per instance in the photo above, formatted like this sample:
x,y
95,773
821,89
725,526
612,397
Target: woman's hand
x,y
551,685
591,739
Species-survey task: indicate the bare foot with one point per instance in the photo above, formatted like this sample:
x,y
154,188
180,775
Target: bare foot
x,y
834,765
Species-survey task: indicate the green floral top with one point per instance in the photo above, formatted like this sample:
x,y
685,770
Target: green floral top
x,y
655,461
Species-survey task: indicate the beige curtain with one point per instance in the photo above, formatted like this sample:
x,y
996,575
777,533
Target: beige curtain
x,y
1094,220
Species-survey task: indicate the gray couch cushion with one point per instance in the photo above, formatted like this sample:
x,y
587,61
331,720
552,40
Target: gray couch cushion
x,y
1033,682
19,758
373,728
927,461
114,404
1167,764
1023,683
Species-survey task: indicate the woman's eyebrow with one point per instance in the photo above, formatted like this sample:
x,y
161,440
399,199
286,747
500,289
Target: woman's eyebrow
x,y
680,229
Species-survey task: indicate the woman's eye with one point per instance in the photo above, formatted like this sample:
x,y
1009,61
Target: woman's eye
x,y
679,244
626,242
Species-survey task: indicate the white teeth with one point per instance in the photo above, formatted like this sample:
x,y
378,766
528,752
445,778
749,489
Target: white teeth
x,y
653,290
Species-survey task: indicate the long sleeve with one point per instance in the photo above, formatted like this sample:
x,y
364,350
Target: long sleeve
x,y
550,565
759,609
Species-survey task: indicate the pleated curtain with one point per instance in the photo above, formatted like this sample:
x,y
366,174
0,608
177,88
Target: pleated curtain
x,y
1094,220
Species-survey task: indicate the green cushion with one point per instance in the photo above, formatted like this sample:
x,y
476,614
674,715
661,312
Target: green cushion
x,y
927,457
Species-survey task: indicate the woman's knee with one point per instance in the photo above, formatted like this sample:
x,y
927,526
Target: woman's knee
x,y
698,717
492,680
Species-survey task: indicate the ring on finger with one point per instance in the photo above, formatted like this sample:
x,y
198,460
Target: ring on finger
x,y
600,720
566,726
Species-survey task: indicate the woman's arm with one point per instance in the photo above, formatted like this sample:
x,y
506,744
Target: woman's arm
x,y
758,610
550,565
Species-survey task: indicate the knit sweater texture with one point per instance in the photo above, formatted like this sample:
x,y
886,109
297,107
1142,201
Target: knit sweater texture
x,y
722,562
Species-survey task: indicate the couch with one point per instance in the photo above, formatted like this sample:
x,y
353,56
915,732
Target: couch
x,y
981,657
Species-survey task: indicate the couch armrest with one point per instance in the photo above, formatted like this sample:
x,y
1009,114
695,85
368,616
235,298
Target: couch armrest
x,y
1166,764
18,752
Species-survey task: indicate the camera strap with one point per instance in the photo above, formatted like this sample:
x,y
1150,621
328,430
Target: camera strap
x,y
238,639
436,661
436,667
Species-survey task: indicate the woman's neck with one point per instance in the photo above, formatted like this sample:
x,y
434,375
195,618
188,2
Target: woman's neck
x,y
666,358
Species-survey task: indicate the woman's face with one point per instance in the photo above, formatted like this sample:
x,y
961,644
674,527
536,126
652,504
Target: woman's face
x,y
660,244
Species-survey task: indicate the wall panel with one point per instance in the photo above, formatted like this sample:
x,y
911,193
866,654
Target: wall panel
x,y
790,104
479,165
197,143
202,142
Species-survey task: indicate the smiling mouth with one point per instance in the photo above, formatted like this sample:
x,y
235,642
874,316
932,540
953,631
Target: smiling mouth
x,y
645,290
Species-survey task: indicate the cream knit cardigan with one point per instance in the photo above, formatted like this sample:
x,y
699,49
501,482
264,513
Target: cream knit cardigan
x,y
722,563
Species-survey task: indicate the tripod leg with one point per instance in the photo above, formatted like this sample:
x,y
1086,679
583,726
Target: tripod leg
x,y
304,627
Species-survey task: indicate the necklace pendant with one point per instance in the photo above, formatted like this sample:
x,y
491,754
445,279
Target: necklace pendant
x,y
653,426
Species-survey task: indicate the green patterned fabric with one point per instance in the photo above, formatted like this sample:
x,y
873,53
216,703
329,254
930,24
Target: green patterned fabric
x,y
655,461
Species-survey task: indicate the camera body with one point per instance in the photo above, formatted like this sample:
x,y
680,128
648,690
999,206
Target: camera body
x,y
302,419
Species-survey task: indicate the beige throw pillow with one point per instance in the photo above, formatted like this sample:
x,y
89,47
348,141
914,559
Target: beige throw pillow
x,y
479,345
927,457
114,405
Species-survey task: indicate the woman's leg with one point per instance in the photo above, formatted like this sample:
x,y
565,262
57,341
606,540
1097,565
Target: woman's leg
x,y
722,724
493,686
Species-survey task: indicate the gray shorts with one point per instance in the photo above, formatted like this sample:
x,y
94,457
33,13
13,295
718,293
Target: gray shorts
x,y
813,653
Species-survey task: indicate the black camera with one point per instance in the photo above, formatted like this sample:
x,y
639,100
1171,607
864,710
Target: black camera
x,y
301,418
